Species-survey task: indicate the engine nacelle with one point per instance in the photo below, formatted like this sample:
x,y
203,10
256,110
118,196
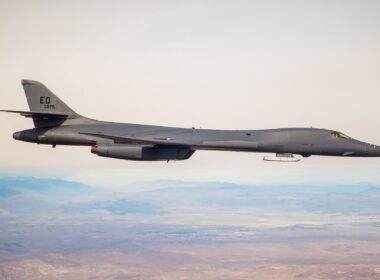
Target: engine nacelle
x,y
148,153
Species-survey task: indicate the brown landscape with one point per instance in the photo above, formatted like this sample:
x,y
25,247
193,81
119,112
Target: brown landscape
x,y
299,260
196,231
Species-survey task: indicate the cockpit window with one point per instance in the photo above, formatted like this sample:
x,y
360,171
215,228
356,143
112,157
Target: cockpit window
x,y
336,134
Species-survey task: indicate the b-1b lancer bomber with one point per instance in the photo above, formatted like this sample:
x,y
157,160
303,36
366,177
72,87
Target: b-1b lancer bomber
x,y
57,124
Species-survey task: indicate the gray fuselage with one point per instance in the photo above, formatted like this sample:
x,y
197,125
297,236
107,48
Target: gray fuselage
x,y
302,141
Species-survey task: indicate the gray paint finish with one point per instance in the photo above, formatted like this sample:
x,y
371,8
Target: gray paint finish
x,y
57,124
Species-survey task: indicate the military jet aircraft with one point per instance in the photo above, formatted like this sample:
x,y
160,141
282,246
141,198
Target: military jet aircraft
x,y
57,124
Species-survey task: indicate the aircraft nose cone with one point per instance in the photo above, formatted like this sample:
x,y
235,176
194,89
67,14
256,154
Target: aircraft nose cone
x,y
17,135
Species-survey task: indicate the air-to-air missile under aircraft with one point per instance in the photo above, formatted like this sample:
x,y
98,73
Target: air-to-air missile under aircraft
x,y
57,124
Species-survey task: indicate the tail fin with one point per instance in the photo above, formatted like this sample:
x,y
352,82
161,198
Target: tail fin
x,y
41,99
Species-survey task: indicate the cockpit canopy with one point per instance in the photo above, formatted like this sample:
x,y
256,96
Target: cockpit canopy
x,y
336,134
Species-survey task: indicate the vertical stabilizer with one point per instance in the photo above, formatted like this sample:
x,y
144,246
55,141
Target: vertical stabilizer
x,y
43,102
41,99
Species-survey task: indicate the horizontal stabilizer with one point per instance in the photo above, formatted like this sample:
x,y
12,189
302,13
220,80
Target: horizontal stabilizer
x,y
38,115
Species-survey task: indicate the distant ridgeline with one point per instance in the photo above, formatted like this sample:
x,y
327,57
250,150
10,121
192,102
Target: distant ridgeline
x,y
29,194
14,185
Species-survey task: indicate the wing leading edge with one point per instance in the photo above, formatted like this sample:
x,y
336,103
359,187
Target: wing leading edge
x,y
139,140
196,144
